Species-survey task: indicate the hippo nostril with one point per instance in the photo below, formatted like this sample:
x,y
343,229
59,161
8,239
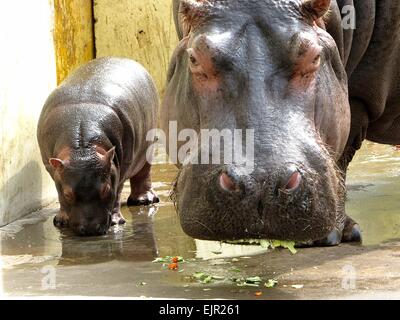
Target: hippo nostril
x,y
82,230
227,183
99,229
293,182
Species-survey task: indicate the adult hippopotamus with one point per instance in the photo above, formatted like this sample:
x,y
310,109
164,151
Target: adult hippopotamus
x,y
92,138
311,90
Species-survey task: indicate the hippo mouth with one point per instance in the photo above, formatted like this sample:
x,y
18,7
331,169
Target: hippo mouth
x,y
259,210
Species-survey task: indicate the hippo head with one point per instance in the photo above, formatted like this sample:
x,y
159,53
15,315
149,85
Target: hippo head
x,y
272,67
87,187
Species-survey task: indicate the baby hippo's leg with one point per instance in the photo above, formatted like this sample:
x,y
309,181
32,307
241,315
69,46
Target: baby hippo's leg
x,y
117,217
141,192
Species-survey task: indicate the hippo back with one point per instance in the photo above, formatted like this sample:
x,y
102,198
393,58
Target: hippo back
x,y
120,84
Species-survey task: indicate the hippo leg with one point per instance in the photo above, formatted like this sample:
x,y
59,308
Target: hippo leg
x,y
61,219
141,192
351,231
116,217
346,230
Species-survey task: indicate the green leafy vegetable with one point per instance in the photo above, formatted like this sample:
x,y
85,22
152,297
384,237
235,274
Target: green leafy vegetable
x,y
285,244
169,259
266,244
205,278
271,283
247,282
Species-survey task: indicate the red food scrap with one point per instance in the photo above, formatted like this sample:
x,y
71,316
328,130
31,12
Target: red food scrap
x,y
175,260
173,266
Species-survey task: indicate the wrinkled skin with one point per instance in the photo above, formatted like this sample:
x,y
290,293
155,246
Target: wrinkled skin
x,y
92,137
288,71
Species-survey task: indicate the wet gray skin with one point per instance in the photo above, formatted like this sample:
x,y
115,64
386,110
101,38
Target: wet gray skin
x,y
91,135
278,67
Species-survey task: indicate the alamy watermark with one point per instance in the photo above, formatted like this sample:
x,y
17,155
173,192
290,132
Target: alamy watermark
x,y
49,279
349,20
209,146
349,280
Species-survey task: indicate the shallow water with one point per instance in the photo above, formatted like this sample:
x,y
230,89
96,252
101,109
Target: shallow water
x,y
119,263
374,193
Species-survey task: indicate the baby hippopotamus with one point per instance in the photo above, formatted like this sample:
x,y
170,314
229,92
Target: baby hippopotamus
x,y
92,138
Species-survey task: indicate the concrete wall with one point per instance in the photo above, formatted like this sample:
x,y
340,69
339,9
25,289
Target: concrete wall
x,y
27,76
141,30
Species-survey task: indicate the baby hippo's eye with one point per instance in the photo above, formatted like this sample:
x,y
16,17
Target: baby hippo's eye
x,y
105,191
68,195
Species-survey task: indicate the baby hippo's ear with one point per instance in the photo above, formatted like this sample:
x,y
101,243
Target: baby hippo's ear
x,y
57,163
108,158
317,8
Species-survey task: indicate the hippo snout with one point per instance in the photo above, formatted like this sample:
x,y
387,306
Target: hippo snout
x,y
285,201
90,227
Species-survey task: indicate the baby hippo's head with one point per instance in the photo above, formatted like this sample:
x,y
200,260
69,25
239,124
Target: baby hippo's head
x,y
87,189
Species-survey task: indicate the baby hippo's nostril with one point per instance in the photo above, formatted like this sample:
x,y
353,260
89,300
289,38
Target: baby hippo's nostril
x,y
82,230
227,183
99,229
294,179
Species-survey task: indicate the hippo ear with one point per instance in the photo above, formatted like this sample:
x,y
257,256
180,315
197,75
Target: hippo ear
x,y
191,12
57,163
108,158
317,8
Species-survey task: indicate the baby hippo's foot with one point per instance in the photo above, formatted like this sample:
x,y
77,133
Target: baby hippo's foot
x,y
117,218
144,199
61,220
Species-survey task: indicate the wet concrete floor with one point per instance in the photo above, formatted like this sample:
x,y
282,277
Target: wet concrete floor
x,y
37,260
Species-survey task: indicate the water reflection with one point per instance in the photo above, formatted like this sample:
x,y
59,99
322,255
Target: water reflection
x,y
133,242
149,232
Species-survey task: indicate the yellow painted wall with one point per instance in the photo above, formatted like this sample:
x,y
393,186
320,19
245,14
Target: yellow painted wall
x,y
74,35
28,74
139,29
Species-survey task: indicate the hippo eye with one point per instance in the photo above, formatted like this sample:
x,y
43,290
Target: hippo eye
x,y
68,195
308,72
317,60
105,192
192,58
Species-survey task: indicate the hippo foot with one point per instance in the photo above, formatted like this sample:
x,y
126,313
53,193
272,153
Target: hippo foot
x,y
350,233
145,199
117,219
61,220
